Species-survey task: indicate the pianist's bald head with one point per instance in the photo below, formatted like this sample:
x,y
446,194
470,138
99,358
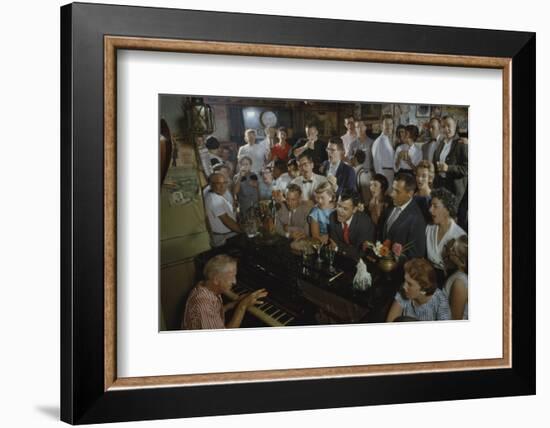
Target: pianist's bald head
x,y
218,265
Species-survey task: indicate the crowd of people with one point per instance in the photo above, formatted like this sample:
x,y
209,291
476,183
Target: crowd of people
x,y
352,191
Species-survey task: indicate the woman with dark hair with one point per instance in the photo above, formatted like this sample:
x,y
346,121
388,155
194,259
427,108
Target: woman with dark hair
x,y
424,180
455,257
379,203
281,150
399,136
419,296
443,210
408,155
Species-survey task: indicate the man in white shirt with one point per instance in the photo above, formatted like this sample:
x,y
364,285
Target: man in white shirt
x,y
254,151
281,179
382,151
308,180
269,141
350,134
223,169
219,210
428,149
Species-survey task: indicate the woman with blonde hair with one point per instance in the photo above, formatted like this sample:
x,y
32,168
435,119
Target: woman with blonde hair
x,y
325,197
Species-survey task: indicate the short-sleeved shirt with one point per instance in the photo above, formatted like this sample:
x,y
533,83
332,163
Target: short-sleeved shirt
x,y
217,205
435,309
321,216
256,152
203,310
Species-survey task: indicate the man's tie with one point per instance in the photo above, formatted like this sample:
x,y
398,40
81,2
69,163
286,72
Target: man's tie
x,y
392,218
346,233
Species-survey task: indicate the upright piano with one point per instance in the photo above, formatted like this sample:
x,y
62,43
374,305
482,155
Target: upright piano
x,y
301,290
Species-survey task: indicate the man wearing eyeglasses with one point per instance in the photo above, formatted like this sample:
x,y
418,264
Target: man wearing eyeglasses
x,y
335,166
307,180
219,210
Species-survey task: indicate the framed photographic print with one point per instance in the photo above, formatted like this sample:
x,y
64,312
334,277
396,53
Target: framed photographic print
x,y
423,111
193,274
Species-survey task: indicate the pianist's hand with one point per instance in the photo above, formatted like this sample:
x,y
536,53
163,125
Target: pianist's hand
x,y
253,298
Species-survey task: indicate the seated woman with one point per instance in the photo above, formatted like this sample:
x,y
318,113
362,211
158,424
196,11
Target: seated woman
x,y
245,186
379,204
455,257
443,210
425,173
419,296
319,217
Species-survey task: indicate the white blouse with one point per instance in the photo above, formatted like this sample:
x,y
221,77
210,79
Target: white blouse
x,y
435,249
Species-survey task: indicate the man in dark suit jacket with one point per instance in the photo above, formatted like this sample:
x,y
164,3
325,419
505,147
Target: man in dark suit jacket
x,y
348,227
405,224
335,166
451,161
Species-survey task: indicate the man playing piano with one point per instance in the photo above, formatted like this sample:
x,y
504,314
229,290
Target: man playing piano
x,y
205,309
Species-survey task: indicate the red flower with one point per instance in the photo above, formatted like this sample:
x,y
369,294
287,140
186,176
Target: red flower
x,y
387,244
397,249
384,251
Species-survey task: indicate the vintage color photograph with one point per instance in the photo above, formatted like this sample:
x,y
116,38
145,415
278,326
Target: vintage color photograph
x,y
283,212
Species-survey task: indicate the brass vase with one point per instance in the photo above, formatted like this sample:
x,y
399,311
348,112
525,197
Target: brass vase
x,y
387,264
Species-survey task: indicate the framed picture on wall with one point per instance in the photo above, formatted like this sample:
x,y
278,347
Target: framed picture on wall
x,y
423,111
116,363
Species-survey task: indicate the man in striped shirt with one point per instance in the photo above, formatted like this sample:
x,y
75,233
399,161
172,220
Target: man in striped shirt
x,y
205,309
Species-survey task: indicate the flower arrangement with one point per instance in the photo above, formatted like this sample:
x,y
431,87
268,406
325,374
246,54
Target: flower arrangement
x,y
387,252
386,249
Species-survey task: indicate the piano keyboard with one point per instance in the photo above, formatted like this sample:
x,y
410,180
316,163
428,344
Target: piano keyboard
x,y
268,312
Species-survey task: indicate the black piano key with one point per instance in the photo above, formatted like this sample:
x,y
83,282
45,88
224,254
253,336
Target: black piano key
x,y
265,307
283,318
274,314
